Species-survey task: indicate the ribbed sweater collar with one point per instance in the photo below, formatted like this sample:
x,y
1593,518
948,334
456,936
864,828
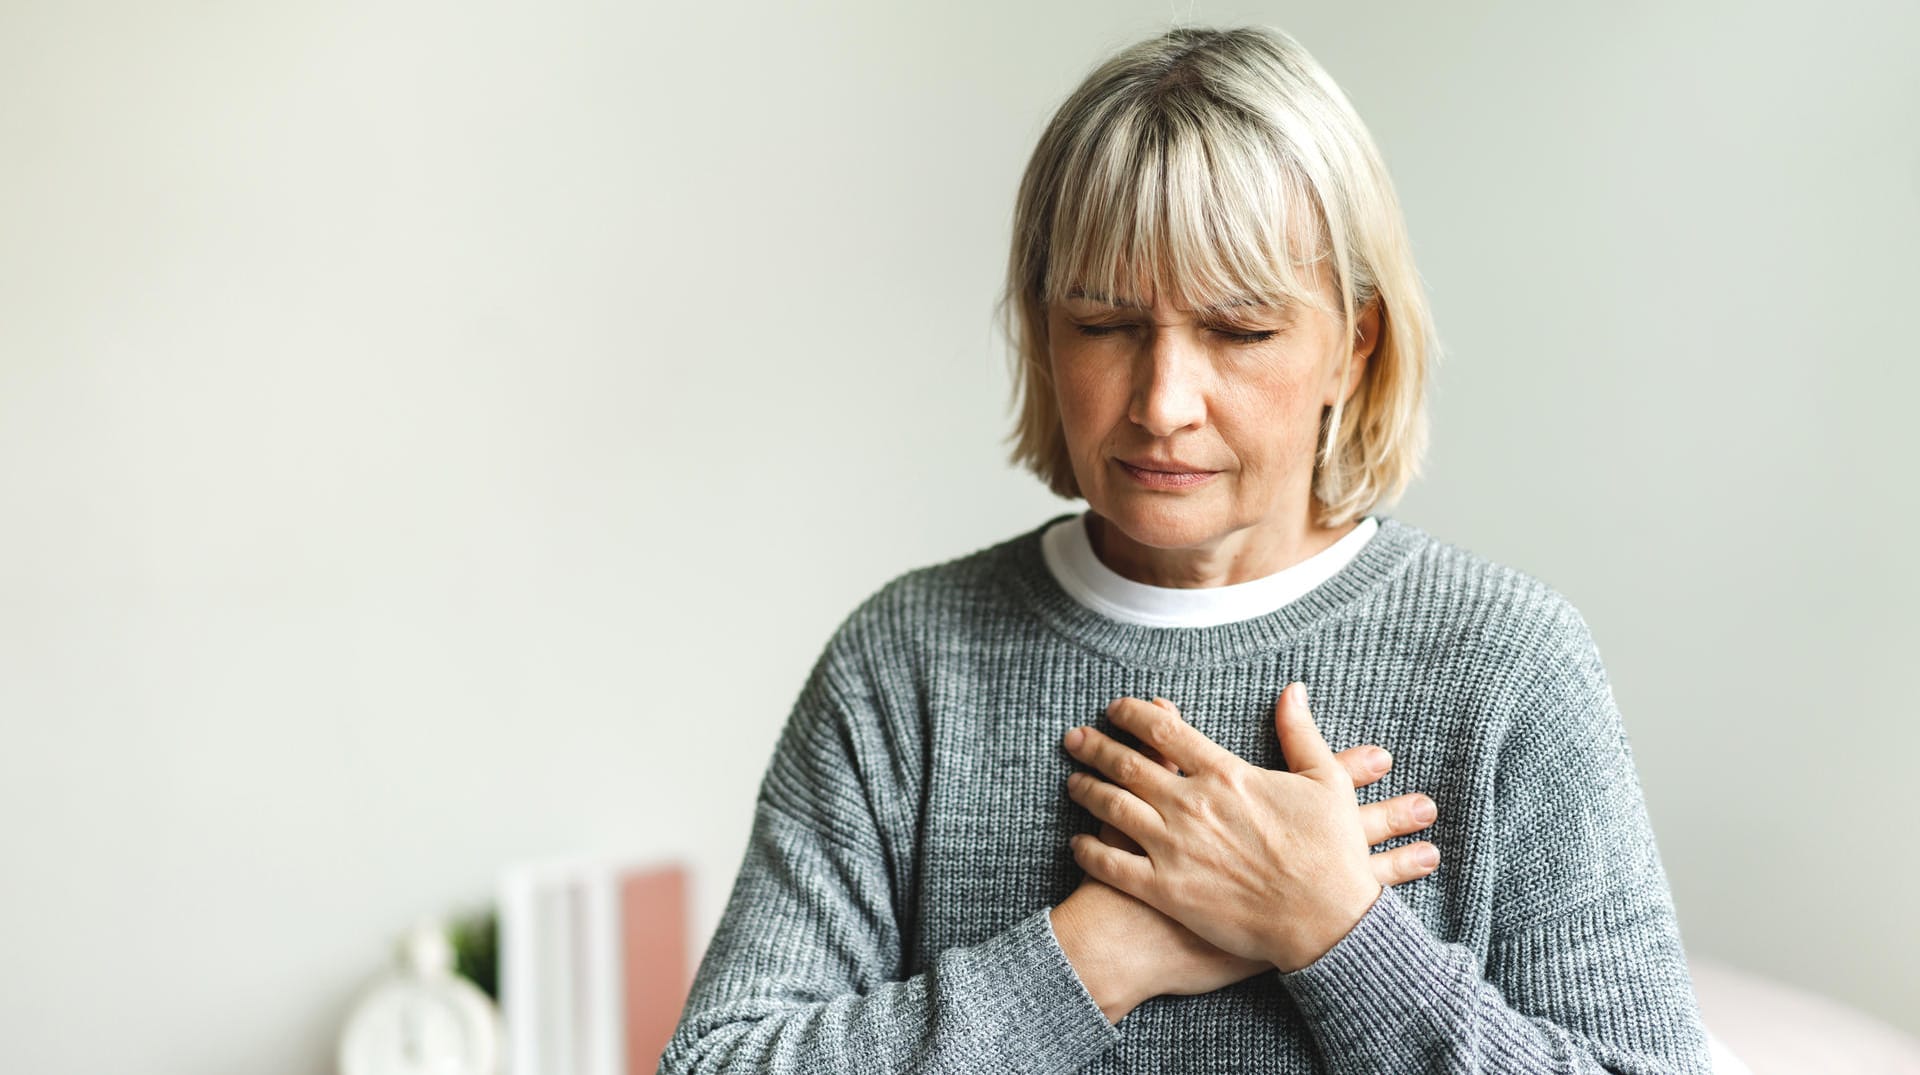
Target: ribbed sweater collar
x,y
1025,573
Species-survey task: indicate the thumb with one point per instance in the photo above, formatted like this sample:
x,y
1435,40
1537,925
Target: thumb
x,y
1307,753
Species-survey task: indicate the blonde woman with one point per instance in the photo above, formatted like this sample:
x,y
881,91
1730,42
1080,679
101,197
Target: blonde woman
x,y
1072,802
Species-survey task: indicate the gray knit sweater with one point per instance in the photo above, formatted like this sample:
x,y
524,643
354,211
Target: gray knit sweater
x,y
891,911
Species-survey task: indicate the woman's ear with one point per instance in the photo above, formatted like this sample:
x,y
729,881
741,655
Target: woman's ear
x,y
1366,332
1366,335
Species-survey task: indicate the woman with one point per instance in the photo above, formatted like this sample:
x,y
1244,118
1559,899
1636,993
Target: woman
x,y
1222,348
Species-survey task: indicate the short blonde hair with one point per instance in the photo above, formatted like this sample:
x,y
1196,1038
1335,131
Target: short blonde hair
x,y
1200,159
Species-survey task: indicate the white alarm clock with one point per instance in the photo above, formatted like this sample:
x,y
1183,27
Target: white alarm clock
x,y
422,1019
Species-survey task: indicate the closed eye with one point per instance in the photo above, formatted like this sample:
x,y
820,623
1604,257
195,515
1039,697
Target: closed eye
x,y
1237,337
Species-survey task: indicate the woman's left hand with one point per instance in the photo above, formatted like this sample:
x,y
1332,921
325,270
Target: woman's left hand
x,y
1264,863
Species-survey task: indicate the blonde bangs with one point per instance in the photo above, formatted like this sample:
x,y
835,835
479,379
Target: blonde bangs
x,y
1176,200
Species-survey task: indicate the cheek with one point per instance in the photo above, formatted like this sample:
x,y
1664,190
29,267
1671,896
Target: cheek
x,y
1090,402
1271,422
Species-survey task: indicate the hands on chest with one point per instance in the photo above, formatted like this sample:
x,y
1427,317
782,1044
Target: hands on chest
x,y
1209,869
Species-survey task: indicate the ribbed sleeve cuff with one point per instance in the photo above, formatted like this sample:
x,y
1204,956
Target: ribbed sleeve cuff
x,y
1384,989
1038,1011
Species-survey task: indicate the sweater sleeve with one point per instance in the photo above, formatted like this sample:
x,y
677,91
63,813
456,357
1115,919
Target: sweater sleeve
x,y
804,973
1585,971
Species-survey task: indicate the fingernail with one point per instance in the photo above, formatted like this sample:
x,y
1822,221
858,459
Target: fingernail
x,y
1074,735
1424,811
1300,693
1426,856
1381,759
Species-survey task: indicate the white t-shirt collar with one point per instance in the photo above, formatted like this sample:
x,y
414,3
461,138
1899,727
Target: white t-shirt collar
x,y
1069,556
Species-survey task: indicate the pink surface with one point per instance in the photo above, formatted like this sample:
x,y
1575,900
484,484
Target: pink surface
x,y
1775,1029
655,969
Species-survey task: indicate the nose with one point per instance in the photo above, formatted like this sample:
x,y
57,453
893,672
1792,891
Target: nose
x,y
1168,384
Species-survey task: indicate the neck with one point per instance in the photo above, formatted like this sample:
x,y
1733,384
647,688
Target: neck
x,y
1234,557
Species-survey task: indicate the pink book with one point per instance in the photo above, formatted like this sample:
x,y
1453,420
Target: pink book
x,y
655,970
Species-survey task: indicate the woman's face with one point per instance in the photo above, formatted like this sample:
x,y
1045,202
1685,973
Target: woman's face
x,y
1229,403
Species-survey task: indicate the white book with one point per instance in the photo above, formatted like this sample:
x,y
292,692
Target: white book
x,y
570,973
603,994
519,993
542,916
554,977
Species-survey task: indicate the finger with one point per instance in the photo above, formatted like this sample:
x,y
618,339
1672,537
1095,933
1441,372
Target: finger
x,y
1154,756
1307,753
1120,763
1113,837
1116,806
1159,725
1165,763
1128,872
1365,763
1403,864
1399,816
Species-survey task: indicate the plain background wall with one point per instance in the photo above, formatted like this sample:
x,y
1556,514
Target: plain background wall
x,y
436,435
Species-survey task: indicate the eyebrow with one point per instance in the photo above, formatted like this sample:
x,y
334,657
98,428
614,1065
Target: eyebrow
x,y
1077,293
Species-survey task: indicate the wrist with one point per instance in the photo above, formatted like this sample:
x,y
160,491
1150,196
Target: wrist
x,y
1291,953
1111,978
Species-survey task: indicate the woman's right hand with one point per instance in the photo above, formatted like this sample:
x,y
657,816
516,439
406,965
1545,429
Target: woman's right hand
x,y
1125,951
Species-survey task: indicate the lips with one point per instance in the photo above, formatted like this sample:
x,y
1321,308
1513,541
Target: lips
x,y
1145,477
1166,466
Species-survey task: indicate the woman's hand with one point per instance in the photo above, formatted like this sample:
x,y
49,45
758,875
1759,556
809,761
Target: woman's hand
x,y
1126,951
1271,866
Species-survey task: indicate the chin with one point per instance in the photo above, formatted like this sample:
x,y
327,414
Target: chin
x,y
1165,522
